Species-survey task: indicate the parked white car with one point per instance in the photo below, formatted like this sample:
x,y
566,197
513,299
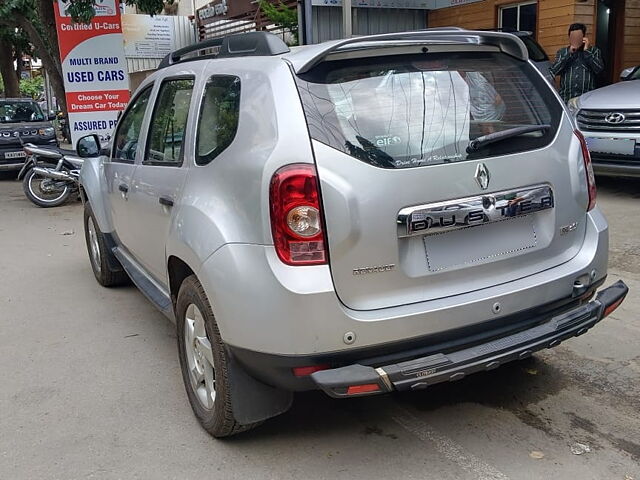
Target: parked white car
x,y
609,118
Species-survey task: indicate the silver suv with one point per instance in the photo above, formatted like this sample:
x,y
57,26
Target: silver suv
x,y
361,216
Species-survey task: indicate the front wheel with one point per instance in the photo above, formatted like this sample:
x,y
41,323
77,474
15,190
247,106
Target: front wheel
x,y
105,265
45,192
204,362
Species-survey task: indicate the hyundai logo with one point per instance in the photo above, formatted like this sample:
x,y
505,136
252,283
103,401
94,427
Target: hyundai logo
x,y
482,176
615,117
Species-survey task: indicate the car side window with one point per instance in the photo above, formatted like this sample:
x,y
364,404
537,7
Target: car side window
x,y
218,122
129,129
169,122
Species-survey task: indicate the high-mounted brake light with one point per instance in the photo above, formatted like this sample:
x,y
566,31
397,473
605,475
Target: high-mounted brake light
x,y
591,179
296,216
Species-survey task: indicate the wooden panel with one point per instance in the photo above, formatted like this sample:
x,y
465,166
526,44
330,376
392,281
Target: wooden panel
x,y
554,18
631,52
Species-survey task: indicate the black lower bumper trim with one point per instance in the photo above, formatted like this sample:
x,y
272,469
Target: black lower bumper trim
x,y
440,367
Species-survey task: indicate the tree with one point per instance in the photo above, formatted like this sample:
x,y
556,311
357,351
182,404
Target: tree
x,y
32,87
282,16
11,46
36,19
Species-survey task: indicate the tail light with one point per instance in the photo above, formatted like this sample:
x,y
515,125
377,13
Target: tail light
x,y
591,180
296,216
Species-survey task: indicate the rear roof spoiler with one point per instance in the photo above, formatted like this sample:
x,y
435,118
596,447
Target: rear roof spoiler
x,y
507,43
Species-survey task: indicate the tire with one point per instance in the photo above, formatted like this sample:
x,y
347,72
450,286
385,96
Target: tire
x,y
32,190
100,256
216,417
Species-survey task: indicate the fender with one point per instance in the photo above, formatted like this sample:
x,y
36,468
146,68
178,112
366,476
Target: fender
x,y
92,185
29,163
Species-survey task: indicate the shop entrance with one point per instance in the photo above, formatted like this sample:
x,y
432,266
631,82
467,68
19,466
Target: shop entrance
x,y
609,38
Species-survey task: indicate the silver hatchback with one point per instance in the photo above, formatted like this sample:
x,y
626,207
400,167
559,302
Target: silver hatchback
x,y
361,216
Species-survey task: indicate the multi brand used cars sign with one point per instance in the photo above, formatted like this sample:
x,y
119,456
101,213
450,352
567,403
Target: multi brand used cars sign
x,y
94,69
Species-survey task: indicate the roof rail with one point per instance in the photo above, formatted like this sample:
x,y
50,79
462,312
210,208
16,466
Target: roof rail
x,y
237,45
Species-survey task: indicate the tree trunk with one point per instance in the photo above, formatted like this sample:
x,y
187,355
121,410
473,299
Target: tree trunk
x,y
18,58
57,84
9,78
46,48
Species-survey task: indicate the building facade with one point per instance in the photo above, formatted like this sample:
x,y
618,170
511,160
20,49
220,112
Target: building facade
x,y
612,25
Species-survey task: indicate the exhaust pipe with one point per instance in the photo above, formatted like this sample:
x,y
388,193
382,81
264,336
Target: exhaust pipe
x,y
55,174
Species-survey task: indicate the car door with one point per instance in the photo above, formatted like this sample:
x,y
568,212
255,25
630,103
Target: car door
x,y
157,181
126,148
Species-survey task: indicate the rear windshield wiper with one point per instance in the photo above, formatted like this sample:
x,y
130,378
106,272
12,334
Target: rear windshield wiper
x,y
477,143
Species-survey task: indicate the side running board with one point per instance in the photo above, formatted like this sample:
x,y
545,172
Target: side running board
x,y
149,287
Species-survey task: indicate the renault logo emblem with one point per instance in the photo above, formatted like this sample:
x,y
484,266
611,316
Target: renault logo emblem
x,y
615,117
482,176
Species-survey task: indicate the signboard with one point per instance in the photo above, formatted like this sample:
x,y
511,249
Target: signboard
x,y
146,36
94,69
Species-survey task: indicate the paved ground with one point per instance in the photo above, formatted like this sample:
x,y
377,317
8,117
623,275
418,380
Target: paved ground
x,y
90,386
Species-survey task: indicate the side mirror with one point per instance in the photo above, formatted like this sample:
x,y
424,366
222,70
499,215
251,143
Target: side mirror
x,y
88,146
629,73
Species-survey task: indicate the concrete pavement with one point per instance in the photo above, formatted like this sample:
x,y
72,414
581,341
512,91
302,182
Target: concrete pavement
x,y
90,386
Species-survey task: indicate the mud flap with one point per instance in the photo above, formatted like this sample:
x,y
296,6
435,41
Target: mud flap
x,y
253,401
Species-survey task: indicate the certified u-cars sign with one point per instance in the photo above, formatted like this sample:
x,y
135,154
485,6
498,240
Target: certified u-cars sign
x,y
94,68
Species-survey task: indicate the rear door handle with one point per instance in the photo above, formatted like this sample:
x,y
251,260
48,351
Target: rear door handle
x,y
166,201
123,188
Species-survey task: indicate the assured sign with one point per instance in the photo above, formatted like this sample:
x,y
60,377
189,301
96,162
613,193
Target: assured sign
x,y
94,69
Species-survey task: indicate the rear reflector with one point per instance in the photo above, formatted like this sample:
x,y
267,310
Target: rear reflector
x,y
610,308
366,388
306,371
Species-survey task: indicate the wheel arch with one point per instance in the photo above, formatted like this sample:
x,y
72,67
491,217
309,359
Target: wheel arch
x,y
177,271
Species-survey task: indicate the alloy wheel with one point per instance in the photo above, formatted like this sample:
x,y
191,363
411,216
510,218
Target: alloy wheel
x,y
94,247
199,357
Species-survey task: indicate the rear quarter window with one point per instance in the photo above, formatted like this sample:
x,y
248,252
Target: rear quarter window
x,y
413,110
219,115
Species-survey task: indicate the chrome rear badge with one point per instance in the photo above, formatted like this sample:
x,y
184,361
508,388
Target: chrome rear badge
x,y
482,176
374,269
569,228
470,211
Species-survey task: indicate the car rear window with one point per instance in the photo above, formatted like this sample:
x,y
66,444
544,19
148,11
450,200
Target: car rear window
x,y
407,111
536,53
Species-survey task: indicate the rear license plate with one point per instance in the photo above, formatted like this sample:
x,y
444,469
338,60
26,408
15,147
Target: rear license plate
x,y
15,155
618,146
487,243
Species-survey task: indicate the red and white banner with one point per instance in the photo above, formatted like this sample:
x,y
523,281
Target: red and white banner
x,y
94,68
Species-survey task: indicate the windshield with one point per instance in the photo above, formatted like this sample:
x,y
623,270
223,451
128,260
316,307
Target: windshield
x,y
20,111
413,110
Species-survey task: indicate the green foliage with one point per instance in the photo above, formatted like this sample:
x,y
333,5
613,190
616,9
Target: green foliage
x,y
1,85
282,16
32,87
151,7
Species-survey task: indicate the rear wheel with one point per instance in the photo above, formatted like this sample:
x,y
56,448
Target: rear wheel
x,y
101,258
45,192
204,362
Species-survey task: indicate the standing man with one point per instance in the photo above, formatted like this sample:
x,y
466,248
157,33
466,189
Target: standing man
x,y
578,64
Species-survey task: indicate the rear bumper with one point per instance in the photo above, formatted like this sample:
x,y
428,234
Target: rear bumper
x,y
611,168
440,367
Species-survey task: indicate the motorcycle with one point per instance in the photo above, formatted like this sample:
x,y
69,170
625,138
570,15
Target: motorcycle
x,y
49,177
